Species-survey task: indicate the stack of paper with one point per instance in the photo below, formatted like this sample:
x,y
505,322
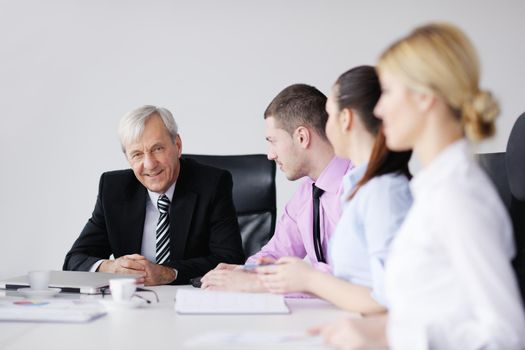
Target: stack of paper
x,y
50,310
199,301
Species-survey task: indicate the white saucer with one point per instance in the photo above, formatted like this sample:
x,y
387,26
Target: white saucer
x,y
128,304
38,293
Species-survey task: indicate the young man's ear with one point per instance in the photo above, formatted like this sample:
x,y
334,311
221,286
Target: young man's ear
x,y
302,136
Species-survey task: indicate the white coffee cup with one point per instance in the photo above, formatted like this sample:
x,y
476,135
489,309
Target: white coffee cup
x,y
39,280
122,289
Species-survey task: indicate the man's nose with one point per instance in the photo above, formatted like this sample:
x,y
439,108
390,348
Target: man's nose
x,y
271,155
150,162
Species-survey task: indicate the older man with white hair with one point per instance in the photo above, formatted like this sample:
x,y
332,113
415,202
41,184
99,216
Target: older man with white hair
x,y
167,219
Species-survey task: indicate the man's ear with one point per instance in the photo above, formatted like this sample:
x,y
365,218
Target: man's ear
x,y
302,136
346,119
127,159
178,143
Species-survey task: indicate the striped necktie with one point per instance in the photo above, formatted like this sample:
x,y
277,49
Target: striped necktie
x,y
163,231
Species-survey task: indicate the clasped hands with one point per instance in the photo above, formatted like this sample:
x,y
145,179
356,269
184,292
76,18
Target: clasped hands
x,y
151,274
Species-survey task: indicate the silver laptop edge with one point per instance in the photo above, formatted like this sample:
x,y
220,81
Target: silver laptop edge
x,y
70,281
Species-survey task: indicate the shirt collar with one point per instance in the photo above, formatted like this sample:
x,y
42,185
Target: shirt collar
x,y
154,196
329,178
453,156
352,178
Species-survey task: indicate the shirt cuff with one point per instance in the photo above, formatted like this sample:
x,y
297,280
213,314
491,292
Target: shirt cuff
x,y
95,266
323,267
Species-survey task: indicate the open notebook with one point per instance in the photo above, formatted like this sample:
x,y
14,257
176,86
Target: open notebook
x,y
197,301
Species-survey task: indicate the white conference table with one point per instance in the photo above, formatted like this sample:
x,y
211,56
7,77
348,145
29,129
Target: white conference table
x,y
158,326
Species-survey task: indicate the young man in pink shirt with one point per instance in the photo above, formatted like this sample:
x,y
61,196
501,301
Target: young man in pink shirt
x,y
295,130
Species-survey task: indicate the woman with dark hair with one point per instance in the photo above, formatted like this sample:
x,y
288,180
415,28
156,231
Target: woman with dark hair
x,y
376,199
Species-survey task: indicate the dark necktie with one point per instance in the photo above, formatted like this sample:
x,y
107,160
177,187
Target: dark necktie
x,y
163,231
316,193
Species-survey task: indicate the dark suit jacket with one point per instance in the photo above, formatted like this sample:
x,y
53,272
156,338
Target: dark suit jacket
x,y
203,224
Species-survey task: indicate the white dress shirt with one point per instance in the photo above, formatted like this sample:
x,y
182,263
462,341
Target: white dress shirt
x,y
449,281
361,242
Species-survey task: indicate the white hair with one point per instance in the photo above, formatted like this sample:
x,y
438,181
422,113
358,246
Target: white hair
x,y
131,125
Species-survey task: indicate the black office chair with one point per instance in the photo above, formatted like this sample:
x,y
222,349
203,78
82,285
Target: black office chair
x,y
515,167
253,195
494,166
507,171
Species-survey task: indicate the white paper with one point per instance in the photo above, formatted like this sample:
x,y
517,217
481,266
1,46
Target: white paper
x,y
198,301
50,310
256,339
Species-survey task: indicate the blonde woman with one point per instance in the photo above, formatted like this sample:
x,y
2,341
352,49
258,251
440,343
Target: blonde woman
x,y
449,280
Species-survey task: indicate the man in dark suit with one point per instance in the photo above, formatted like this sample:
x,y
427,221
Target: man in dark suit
x,y
166,219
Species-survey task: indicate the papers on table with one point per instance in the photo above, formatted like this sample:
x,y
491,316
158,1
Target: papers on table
x,y
50,310
255,340
200,301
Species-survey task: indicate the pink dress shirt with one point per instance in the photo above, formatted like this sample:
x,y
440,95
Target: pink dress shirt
x,y
294,231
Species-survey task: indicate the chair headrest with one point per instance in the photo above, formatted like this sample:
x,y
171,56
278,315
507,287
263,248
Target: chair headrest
x,y
515,159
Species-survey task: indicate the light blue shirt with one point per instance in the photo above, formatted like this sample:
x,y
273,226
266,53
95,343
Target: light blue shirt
x,y
359,247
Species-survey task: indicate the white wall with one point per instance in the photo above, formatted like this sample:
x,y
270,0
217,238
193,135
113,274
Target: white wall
x,y
70,69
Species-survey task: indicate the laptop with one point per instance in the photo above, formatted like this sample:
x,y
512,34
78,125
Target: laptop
x,y
70,281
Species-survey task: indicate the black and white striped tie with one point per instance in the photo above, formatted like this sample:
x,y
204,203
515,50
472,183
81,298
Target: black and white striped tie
x,y
163,228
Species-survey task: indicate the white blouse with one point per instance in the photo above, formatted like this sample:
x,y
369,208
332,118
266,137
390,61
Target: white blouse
x,y
449,281
362,239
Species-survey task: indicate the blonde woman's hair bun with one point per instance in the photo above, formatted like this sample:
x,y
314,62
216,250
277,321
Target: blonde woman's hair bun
x,y
479,115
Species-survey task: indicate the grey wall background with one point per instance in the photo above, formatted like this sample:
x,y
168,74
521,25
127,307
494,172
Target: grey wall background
x,y
70,69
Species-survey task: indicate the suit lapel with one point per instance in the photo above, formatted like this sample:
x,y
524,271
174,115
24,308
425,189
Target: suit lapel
x,y
181,212
134,208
